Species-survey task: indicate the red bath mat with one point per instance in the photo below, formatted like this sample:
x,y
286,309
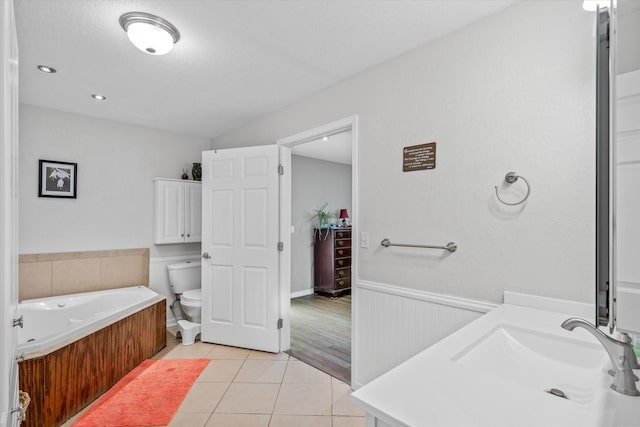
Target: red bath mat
x,y
147,396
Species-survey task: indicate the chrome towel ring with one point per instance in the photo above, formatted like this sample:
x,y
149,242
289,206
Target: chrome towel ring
x,y
510,178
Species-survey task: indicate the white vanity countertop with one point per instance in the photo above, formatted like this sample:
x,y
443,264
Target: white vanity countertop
x,y
486,375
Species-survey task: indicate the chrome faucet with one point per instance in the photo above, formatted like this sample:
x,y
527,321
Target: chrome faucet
x,y
623,359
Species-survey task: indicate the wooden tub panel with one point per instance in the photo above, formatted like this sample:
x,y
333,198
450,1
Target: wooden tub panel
x,y
63,382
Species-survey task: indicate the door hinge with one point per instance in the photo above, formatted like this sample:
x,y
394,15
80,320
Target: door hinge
x,y
280,246
18,322
280,170
280,323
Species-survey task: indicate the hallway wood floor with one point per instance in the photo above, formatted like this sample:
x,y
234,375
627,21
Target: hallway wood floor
x,y
321,333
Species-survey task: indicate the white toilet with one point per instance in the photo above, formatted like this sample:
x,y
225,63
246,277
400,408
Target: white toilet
x,y
184,279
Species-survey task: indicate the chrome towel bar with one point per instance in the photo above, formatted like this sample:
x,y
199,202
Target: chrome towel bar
x,y
451,247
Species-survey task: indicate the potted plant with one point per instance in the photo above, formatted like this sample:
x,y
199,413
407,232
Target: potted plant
x,y
324,218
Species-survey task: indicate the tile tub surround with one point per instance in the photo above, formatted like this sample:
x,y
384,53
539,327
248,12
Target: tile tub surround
x,y
62,273
245,388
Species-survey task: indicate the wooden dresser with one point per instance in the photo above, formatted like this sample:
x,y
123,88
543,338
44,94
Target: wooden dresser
x,y
332,260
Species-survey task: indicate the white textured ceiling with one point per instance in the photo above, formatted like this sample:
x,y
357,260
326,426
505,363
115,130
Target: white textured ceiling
x,y
236,60
337,148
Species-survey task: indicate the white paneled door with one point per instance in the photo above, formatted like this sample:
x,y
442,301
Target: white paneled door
x,y
240,235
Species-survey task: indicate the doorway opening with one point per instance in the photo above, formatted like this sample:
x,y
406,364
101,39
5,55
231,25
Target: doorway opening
x,y
322,252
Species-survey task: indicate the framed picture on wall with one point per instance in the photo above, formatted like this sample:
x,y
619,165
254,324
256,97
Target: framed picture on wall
x,y
57,179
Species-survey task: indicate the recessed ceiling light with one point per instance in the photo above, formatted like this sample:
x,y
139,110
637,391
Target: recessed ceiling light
x,y
46,69
325,138
149,33
98,97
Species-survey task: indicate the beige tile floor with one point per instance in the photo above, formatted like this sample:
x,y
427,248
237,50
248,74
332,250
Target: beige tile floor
x,y
246,388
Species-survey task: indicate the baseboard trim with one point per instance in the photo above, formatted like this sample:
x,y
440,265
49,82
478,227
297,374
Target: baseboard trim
x,y
298,294
449,300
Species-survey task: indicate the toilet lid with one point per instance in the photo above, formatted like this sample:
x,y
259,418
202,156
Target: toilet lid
x,y
194,295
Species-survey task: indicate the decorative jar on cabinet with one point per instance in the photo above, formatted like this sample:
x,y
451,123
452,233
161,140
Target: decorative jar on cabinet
x,y
177,212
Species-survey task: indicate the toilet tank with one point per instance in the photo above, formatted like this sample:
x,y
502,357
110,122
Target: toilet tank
x,y
184,276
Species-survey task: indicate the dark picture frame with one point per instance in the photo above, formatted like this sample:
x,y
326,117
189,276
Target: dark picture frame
x,y
57,179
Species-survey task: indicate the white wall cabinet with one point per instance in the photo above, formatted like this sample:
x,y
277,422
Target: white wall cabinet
x,y
177,213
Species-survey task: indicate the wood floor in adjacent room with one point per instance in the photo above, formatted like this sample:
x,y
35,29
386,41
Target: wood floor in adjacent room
x,y
321,333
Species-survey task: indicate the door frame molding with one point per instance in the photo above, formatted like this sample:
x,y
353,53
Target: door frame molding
x,y
342,125
8,213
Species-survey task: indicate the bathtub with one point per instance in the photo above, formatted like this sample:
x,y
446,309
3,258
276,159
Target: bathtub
x,y
53,322
75,347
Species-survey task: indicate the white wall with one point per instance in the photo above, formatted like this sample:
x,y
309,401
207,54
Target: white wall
x,y
114,207
116,165
313,182
513,92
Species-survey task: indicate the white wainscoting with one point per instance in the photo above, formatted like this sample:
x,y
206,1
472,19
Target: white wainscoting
x,y
159,278
392,324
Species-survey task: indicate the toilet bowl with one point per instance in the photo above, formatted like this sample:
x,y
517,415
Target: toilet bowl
x,y
184,279
191,302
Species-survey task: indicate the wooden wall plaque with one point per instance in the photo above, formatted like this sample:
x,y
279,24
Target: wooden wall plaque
x,y
419,157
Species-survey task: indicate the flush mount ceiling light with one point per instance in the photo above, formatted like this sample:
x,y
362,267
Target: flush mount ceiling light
x,y
98,97
149,33
46,69
593,5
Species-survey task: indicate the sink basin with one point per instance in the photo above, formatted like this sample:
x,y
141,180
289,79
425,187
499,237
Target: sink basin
x,y
538,360
497,371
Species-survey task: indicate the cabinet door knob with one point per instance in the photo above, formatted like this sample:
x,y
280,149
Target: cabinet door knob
x,y
188,235
206,255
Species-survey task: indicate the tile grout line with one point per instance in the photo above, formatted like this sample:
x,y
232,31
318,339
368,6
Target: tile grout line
x,y
331,394
229,385
332,382
275,402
